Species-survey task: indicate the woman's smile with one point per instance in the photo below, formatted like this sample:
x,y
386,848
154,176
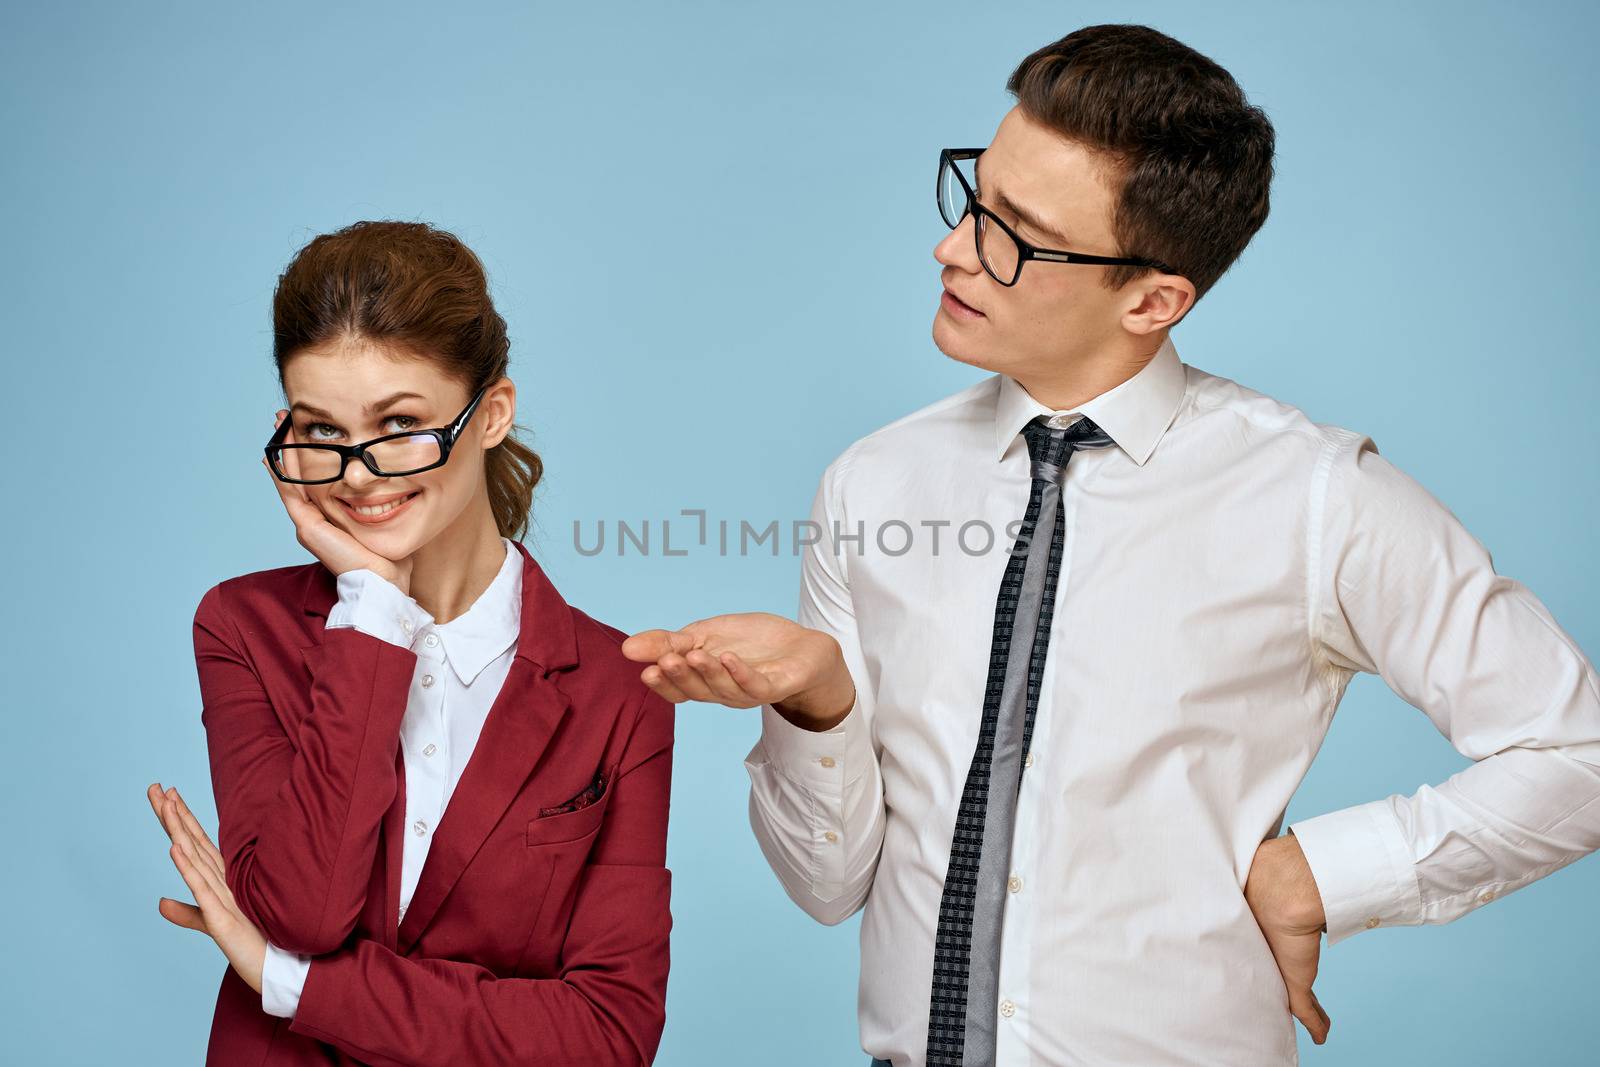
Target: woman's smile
x,y
373,510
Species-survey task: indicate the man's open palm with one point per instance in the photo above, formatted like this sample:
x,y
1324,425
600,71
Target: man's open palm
x,y
743,660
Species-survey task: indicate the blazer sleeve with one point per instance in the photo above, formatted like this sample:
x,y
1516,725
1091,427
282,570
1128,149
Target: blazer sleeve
x,y
608,1003
298,817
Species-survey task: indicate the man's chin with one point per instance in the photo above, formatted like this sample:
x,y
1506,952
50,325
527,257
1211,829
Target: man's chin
x,y
962,349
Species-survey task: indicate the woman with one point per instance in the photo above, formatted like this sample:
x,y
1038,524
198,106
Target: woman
x,y
422,680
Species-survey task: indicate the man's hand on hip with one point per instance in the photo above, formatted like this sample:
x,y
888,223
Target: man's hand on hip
x,y
747,659
1283,896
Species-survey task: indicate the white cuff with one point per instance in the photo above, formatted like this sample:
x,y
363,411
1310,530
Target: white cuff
x,y
283,975
1363,869
374,605
822,760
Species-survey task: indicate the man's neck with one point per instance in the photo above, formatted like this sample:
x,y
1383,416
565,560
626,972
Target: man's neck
x,y
1078,379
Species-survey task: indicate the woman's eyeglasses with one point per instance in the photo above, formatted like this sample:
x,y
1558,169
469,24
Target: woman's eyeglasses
x,y
1000,250
390,456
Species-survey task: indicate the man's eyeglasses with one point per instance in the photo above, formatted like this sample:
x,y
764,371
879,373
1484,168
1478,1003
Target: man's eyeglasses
x,y
1000,250
390,456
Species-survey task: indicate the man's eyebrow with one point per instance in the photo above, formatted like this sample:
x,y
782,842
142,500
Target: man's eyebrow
x,y
1023,215
371,409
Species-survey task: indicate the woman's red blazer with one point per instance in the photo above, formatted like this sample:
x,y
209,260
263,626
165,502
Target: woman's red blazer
x,y
538,930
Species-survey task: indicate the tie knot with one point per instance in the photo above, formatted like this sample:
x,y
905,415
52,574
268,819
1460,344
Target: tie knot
x,y
1050,447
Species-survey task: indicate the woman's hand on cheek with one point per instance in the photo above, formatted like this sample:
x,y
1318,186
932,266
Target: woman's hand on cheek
x,y
337,549
201,864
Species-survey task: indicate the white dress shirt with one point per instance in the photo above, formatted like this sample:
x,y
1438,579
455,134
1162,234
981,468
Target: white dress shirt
x,y
445,712
1228,566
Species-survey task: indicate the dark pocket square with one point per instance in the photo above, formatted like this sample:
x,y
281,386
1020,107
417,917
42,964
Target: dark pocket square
x,y
593,793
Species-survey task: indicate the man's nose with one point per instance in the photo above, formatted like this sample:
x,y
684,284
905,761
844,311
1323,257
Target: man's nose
x,y
958,249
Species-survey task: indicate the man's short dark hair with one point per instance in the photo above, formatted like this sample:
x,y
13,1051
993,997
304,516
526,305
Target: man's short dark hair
x,y
1193,155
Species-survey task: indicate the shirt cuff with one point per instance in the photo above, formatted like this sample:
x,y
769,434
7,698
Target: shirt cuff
x,y
823,760
1362,867
283,976
374,605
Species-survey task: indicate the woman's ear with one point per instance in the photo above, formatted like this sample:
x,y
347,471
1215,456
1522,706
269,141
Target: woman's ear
x,y
1162,300
499,411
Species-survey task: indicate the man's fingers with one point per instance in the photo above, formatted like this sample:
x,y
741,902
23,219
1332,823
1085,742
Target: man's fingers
x,y
187,916
751,681
718,680
657,680
1304,1006
648,646
686,678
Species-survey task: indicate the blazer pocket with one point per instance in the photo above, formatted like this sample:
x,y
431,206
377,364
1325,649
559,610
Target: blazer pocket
x,y
575,819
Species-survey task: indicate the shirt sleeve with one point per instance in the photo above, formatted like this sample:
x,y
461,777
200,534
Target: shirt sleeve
x,y
374,605
283,975
816,798
1401,589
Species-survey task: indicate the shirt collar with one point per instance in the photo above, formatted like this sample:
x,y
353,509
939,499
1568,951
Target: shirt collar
x,y
479,635
1135,413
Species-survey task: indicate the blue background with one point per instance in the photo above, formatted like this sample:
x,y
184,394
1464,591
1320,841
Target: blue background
x,y
709,226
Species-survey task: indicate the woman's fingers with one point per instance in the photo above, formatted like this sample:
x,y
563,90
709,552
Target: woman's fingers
x,y
157,798
215,909
198,832
200,847
301,511
187,916
214,879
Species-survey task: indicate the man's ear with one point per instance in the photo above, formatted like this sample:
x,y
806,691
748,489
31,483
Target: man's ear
x,y
1157,301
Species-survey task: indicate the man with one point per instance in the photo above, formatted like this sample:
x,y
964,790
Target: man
x,y
1054,771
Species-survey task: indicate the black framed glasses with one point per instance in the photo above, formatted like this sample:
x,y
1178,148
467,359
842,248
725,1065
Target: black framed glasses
x,y
1000,250
390,456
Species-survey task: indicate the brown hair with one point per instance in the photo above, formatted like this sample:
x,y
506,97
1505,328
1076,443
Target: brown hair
x,y
410,285
1194,157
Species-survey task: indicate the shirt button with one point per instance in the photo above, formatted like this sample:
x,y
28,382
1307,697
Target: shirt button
x,y
1007,1008
830,837
431,640
427,681
1027,761
1014,883
1371,922
431,749
1488,896
826,761
405,624
419,827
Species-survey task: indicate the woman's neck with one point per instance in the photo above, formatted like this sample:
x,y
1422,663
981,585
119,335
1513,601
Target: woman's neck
x,y
451,571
